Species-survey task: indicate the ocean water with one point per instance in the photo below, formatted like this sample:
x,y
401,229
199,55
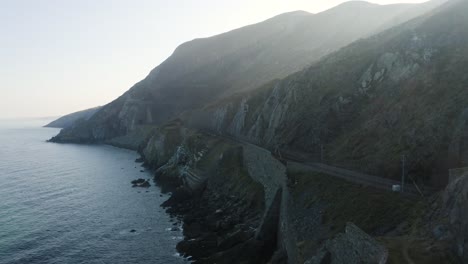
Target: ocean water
x,y
65,203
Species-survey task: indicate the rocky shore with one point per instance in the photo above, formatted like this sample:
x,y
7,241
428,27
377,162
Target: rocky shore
x,y
221,219
231,198
217,228
237,203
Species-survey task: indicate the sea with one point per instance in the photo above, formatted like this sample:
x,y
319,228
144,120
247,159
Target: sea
x,y
66,203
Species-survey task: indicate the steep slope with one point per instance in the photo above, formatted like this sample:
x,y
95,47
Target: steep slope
x,y
204,70
402,92
68,120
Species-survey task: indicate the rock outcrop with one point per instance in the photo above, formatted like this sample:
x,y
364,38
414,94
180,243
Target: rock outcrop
x,y
455,208
353,246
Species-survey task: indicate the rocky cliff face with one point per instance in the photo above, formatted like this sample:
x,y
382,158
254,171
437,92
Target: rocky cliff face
x,y
455,210
237,206
352,246
401,92
204,70
241,205
218,195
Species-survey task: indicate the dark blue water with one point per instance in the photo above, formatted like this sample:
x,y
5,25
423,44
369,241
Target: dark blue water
x,y
74,203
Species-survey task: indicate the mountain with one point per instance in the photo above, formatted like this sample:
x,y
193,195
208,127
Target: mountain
x,y
70,119
204,70
400,93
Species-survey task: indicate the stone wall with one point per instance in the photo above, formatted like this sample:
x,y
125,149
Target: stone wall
x,y
271,173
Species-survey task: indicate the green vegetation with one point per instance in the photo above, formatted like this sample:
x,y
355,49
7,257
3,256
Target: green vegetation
x,y
371,209
408,250
375,211
327,203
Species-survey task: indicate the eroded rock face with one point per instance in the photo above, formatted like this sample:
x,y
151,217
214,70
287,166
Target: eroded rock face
x,y
456,210
180,167
164,143
220,219
353,246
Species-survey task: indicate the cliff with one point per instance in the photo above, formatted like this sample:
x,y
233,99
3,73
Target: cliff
x,y
398,93
363,107
239,204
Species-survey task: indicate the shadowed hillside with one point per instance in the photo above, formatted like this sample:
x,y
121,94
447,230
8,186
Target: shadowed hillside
x,y
402,92
204,70
69,120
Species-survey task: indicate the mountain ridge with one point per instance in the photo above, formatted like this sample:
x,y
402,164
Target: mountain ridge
x,y
204,70
337,104
70,119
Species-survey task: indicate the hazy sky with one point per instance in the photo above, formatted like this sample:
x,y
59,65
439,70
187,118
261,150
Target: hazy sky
x,y
61,56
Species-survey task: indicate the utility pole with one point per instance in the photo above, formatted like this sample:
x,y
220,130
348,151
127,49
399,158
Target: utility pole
x,y
321,153
403,161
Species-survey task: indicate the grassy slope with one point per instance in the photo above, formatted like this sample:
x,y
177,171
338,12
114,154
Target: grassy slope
x,y
376,212
334,202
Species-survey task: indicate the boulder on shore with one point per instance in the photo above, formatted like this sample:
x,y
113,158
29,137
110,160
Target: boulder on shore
x,y
141,183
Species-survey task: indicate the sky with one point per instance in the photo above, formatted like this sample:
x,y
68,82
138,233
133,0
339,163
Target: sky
x,y
62,56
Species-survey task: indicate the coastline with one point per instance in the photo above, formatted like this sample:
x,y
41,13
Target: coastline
x,y
239,204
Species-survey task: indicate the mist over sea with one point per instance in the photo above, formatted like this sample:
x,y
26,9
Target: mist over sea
x,y
65,203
